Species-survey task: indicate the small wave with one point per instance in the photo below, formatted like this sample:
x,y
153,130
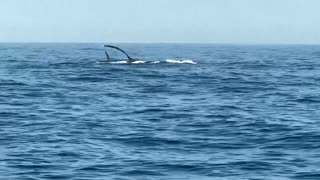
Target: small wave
x,y
180,61
87,49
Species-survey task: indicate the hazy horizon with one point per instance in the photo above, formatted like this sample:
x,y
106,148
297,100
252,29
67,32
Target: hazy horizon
x,y
165,21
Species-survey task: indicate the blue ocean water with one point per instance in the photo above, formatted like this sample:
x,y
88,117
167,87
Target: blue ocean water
x,y
225,112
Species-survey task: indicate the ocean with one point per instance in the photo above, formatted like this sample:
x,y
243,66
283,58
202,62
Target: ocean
x,y
186,111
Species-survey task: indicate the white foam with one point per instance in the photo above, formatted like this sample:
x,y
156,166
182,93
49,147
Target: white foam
x,y
176,61
180,61
155,62
119,62
138,62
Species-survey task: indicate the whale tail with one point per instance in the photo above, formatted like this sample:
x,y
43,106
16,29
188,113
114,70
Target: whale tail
x,y
130,59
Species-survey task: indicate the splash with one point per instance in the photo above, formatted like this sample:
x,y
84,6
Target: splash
x,y
138,62
173,61
118,62
180,61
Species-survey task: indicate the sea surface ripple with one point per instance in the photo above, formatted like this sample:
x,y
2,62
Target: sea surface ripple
x,y
232,112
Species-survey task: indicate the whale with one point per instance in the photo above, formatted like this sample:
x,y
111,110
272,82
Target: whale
x,y
130,59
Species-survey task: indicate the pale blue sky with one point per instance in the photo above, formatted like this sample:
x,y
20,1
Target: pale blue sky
x,y
180,21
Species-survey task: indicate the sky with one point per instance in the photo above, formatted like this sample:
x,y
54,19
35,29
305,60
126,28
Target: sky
x,y
161,21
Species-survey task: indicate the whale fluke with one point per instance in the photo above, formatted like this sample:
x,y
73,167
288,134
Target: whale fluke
x,y
130,59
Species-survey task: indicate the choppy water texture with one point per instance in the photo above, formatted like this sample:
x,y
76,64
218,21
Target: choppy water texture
x,y
236,112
